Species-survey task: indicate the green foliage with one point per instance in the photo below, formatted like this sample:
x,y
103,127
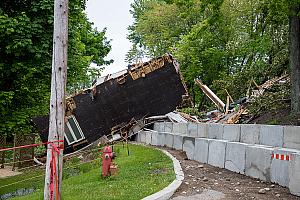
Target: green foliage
x,y
26,30
226,43
150,173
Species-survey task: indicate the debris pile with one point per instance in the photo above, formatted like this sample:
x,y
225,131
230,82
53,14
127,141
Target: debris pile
x,y
231,113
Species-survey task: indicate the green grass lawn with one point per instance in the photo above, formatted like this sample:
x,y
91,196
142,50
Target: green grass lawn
x,y
144,172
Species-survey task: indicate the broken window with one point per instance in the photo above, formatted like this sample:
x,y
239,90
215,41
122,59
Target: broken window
x,y
73,132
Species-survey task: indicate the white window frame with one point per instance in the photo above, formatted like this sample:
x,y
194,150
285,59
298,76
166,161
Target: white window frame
x,y
72,132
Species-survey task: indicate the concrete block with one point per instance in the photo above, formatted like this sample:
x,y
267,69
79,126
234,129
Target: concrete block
x,y
232,132
192,129
235,157
178,142
271,135
201,150
215,131
258,161
159,126
280,166
168,127
189,146
203,130
138,137
148,137
294,174
216,153
142,136
180,128
291,138
250,133
169,139
161,138
154,138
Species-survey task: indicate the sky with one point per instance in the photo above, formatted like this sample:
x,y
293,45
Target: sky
x,y
115,16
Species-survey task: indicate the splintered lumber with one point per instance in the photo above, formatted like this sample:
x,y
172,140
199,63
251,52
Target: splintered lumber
x,y
227,105
234,118
216,100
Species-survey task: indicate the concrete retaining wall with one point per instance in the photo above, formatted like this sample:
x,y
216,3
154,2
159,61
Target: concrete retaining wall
x,y
250,134
232,132
271,135
267,152
277,136
258,162
178,142
201,150
189,146
215,131
291,137
236,157
202,130
216,153
280,166
192,129
159,126
169,139
294,174
148,137
168,127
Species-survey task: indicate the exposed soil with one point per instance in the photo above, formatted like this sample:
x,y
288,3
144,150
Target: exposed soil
x,y
281,117
222,184
7,171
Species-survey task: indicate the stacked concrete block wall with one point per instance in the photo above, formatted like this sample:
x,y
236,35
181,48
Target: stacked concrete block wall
x,y
201,150
192,129
180,128
169,139
258,162
291,137
202,130
235,159
189,146
250,134
215,131
280,165
277,136
178,142
159,126
271,135
168,127
148,137
232,132
267,152
294,174
216,153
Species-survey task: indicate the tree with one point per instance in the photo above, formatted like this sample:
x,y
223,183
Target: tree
x,y
295,56
26,29
227,43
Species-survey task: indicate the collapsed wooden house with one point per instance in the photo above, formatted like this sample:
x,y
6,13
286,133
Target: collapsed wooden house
x,y
145,89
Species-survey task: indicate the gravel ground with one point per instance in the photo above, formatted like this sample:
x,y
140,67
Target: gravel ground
x,y
206,182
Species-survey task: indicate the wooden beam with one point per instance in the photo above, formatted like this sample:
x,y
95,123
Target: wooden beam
x,y
210,95
57,101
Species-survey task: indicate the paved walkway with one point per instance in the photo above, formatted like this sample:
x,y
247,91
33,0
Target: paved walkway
x,y
205,195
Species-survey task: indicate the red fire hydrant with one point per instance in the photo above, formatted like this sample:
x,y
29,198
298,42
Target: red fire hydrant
x,y
108,167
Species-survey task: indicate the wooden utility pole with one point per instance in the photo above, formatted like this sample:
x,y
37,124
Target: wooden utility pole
x,y
52,188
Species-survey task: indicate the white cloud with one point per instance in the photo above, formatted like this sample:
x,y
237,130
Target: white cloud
x,y
113,14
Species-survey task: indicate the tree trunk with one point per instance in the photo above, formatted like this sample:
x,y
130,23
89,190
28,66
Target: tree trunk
x,y
295,58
